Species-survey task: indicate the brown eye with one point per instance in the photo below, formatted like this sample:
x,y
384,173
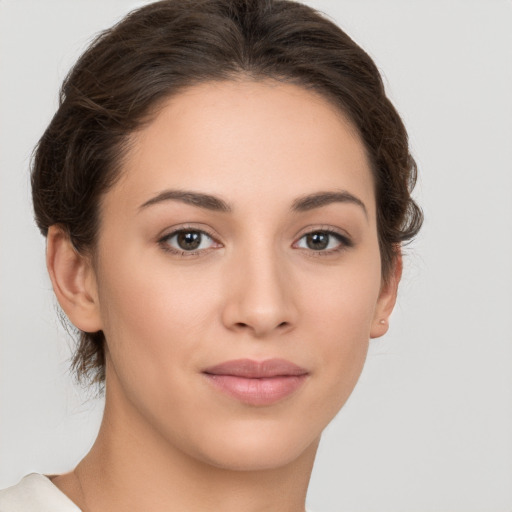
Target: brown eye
x,y
188,240
323,241
317,241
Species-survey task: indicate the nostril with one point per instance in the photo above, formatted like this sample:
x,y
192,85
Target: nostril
x,y
243,325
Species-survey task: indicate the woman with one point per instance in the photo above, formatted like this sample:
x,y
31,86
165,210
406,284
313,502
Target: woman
x,y
224,191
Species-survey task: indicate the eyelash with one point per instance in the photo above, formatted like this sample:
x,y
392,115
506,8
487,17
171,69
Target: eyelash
x,y
164,241
344,242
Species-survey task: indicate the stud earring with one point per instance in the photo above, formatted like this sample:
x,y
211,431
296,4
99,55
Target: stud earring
x,y
382,321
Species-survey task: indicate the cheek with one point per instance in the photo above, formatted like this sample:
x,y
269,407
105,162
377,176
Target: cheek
x,y
154,323
340,314
343,300
147,311
153,331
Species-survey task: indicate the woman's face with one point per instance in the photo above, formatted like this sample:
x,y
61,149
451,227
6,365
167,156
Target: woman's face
x,y
237,272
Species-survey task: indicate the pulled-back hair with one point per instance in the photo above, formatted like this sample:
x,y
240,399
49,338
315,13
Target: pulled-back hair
x,y
164,47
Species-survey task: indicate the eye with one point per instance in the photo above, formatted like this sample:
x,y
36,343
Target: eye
x,y
326,241
188,240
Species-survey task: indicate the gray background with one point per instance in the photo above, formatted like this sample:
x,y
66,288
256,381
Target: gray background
x,y
429,426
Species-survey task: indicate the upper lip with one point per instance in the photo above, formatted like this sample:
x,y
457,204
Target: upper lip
x,y
256,369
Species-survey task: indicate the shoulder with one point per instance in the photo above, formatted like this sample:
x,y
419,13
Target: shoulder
x,y
35,492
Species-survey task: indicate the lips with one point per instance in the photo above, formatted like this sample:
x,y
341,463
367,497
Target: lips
x,y
257,382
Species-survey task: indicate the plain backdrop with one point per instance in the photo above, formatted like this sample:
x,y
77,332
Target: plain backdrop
x,y
429,426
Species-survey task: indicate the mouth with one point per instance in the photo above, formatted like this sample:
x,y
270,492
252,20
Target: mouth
x,y
257,382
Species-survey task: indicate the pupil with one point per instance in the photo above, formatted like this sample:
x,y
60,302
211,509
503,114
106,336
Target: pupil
x,y
189,240
317,241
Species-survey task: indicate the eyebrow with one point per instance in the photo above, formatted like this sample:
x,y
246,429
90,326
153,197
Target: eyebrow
x,y
199,199
320,199
210,202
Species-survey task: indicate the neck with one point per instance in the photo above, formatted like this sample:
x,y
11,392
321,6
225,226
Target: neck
x,y
133,467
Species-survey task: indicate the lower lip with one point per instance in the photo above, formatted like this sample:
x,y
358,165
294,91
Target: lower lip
x,y
263,391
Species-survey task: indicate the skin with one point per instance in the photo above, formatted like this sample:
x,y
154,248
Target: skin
x,y
169,439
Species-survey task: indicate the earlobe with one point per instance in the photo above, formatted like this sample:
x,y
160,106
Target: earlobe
x,y
387,299
73,281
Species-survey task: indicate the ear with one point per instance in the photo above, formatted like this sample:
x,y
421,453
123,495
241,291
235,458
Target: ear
x,y
73,280
387,299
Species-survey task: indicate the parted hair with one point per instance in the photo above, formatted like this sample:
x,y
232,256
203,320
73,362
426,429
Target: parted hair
x,y
162,48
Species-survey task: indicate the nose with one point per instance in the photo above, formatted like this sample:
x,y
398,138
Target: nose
x,y
260,298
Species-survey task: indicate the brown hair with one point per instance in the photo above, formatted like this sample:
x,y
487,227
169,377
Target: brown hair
x,y
164,47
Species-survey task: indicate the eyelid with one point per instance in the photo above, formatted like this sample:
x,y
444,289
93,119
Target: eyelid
x,y
326,228
173,231
344,238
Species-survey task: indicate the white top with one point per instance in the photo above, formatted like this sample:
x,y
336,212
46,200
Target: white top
x,y
36,493
33,493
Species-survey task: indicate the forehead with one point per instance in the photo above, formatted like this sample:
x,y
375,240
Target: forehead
x,y
245,140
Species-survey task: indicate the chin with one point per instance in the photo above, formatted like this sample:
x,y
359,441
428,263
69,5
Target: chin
x,y
256,447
